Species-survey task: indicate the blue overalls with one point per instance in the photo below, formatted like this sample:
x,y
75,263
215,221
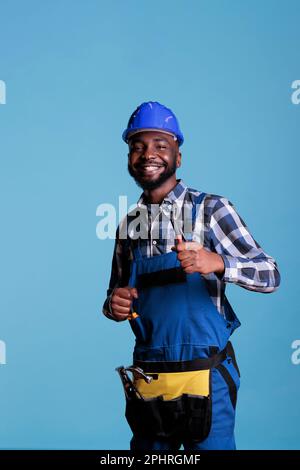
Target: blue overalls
x,y
177,325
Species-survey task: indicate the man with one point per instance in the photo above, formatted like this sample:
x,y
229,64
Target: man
x,y
170,285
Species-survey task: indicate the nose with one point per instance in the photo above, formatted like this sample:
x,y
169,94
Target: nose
x,y
148,154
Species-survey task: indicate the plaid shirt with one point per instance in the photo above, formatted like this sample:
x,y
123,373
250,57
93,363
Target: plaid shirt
x,y
218,227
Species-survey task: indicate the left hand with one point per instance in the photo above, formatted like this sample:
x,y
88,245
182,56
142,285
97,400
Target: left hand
x,y
194,258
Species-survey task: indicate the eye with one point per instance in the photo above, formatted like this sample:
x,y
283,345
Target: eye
x,y
162,146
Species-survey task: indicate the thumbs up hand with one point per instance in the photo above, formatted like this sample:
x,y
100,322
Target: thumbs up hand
x,y
194,258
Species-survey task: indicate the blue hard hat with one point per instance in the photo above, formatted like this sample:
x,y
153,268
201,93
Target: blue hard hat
x,y
153,116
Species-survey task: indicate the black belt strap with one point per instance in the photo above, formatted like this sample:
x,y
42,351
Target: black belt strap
x,y
230,383
184,366
231,353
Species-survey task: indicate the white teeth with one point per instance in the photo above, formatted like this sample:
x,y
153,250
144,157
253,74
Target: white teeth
x,y
151,168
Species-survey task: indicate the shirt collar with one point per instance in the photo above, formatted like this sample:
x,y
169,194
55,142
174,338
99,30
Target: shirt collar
x,y
176,195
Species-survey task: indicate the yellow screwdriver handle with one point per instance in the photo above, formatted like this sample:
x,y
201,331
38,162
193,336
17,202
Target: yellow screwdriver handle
x,y
132,316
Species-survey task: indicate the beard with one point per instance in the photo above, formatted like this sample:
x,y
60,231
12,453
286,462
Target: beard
x,y
155,183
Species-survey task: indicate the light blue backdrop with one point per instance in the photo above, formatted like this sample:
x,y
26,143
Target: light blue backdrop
x,y
74,72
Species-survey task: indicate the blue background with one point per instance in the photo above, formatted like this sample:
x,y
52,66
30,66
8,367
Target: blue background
x,y
74,71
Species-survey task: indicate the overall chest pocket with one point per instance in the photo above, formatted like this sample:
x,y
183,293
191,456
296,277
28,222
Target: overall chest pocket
x,y
161,278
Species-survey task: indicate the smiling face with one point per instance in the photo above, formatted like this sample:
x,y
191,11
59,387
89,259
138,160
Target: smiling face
x,y
153,158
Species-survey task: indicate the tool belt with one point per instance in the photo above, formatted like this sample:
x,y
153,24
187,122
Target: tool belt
x,y
173,399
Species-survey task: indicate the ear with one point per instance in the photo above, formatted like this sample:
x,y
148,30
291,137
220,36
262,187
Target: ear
x,y
178,160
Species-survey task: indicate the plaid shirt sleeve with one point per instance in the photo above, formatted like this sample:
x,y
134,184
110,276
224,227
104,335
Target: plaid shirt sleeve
x,y
120,269
246,264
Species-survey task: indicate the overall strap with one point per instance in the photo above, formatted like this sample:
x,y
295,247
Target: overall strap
x,y
195,216
136,250
196,205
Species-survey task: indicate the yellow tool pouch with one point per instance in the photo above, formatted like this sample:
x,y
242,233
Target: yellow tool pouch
x,y
174,404
177,402
170,385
